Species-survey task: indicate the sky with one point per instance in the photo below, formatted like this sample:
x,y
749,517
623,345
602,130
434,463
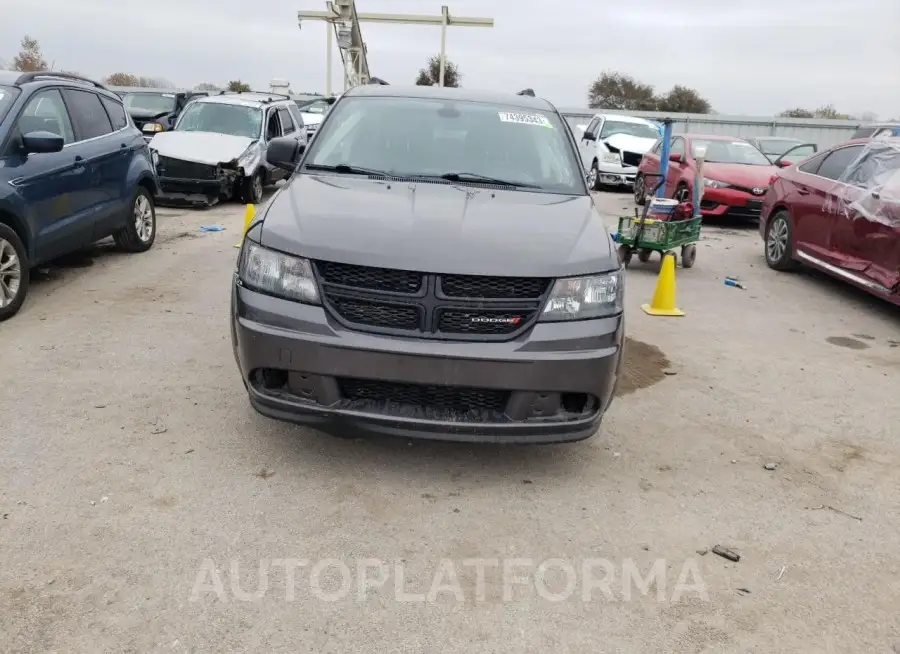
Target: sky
x,y
753,58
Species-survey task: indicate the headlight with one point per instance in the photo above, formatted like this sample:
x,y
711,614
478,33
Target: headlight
x,y
249,158
579,298
278,274
611,157
153,128
714,183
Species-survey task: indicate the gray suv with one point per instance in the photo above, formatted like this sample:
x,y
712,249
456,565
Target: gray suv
x,y
434,267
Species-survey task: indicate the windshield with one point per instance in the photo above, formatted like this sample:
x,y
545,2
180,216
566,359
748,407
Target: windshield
x,y
151,103
777,147
221,118
7,95
734,152
315,107
642,130
408,137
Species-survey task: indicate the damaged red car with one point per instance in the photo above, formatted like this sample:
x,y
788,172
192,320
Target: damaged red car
x,y
839,212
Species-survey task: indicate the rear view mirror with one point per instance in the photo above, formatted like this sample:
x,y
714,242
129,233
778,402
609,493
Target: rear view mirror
x,y
42,142
284,152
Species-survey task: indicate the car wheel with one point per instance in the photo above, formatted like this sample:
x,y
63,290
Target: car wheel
x,y
14,273
594,178
625,253
644,255
640,191
253,188
140,227
683,193
688,255
779,242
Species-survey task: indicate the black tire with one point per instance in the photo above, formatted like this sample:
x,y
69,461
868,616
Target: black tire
x,y
139,231
625,253
780,230
640,191
644,255
252,191
596,186
682,193
688,255
14,272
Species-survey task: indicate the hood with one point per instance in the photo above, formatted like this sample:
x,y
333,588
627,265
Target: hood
x,y
201,147
438,228
740,174
629,143
312,119
140,114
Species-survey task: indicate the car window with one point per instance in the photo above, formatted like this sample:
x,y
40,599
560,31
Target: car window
x,y
591,128
677,146
88,114
8,94
642,130
296,115
432,137
812,166
874,168
150,103
116,113
837,161
656,147
46,112
737,151
287,123
777,147
221,118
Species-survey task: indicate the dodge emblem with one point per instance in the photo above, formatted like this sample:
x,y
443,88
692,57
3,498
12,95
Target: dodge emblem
x,y
515,320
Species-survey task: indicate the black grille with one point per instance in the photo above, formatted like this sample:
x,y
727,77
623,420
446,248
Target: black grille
x,y
427,305
180,169
751,211
479,321
377,314
374,279
442,398
631,158
497,288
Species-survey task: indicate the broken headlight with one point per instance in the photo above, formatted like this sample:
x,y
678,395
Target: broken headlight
x,y
278,274
249,159
153,128
582,298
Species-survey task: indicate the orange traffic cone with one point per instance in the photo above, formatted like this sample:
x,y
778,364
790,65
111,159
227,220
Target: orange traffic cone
x,y
249,213
663,302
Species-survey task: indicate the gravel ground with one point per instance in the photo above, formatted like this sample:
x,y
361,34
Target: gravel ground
x,y
143,502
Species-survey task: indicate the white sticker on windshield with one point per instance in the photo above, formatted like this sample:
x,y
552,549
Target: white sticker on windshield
x,y
524,119
168,95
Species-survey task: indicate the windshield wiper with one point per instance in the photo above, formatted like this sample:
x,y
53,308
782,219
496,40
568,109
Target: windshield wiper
x,y
347,169
475,177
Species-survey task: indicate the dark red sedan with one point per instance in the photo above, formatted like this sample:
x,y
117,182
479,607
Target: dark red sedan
x,y
839,212
736,174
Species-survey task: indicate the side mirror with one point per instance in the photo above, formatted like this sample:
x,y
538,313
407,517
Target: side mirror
x,y
782,163
675,157
42,142
284,152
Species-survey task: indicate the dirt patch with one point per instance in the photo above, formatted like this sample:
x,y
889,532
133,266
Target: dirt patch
x,y
644,366
847,342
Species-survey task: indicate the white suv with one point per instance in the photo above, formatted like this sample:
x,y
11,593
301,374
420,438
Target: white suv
x,y
612,146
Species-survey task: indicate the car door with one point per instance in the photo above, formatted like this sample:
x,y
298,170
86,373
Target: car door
x,y
130,144
587,146
52,185
819,194
868,215
105,154
297,117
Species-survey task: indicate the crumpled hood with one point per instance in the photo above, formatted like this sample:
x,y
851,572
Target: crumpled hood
x,y
201,147
311,119
629,143
140,114
438,228
740,174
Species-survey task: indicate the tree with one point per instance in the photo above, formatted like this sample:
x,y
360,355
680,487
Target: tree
x,y
682,99
206,86
30,58
431,74
617,91
238,86
122,79
796,113
829,112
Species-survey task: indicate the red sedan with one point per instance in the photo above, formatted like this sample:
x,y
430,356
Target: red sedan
x,y
839,212
736,174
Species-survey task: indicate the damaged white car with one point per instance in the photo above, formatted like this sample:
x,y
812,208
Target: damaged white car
x,y
612,146
217,149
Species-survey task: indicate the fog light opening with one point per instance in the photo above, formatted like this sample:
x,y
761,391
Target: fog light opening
x,y
270,378
575,402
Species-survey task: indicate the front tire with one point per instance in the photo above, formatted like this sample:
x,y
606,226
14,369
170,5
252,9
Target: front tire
x,y
780,242
139,232
252,193
683,193
640,191
14,273
594,178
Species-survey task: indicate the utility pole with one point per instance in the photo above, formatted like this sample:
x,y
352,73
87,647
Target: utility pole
x,y
342,18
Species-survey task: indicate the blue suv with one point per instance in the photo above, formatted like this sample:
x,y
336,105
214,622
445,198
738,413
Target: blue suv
x,y
73,170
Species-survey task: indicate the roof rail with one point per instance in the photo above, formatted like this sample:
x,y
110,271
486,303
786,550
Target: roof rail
x,y
24,78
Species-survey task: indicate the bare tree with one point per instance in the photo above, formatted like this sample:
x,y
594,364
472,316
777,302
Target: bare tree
x,y
206,86
30,59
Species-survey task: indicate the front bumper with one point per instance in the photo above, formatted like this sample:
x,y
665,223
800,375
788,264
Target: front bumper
x,y
731,203
177,191
616,174
298,364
